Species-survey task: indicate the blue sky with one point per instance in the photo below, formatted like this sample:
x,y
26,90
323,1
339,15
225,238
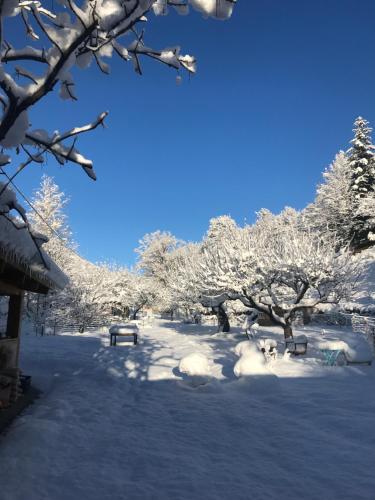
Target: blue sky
x,y
275,97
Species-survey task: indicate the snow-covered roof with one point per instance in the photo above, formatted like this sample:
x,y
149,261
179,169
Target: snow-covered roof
x,y
21,249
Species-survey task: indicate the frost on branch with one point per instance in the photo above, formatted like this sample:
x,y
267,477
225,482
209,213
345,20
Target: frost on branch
x,y
60,37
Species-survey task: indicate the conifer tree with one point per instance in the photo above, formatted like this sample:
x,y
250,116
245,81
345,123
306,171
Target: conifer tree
x,y
362,181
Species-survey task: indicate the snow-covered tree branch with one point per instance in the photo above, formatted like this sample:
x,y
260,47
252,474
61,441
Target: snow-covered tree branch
x,y
75,34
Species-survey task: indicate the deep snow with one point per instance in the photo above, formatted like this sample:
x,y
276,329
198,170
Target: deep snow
x,y
124,423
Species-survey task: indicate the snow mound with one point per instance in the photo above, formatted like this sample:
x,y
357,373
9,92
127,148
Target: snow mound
x,y
360,353
250,365
243,347
252,362
195,364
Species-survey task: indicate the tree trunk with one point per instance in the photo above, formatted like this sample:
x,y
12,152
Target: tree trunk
x,y
222,318
288,332
134,314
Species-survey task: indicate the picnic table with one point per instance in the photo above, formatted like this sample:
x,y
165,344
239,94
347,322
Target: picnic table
x,y
126,330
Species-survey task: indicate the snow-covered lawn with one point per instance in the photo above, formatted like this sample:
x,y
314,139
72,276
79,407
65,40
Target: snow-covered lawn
x,y
124,423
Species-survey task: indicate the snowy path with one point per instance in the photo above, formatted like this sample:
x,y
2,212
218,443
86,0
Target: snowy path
x,y
120,423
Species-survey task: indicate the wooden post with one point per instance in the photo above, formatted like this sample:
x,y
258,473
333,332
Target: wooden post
x,y
13,332
14,319
14,315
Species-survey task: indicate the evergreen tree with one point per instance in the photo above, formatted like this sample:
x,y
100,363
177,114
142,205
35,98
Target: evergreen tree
x,y
361,159
362,180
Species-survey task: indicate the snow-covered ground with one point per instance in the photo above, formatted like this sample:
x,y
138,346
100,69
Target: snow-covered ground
x,y
124,423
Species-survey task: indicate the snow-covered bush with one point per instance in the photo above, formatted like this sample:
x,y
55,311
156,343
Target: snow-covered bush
x,y
195,364
244,347
251,362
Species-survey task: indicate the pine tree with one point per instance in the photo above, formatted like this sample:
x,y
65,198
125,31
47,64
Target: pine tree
x,y
50,219
362,182
361,159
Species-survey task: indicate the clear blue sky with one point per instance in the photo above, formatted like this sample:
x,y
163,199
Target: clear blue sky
x,y
275,97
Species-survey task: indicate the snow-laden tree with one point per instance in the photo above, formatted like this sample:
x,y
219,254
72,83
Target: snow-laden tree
x,y
222,231
194,280
277,267
362,165
92,289
49,218
292,268
142,293
344,201
365,211
154,253
69,34
84,299
332,209
181,284
361,159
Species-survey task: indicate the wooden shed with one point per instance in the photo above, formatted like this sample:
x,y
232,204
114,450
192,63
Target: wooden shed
x,y
24,266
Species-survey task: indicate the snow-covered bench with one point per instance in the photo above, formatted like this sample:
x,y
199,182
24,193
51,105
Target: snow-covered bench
x,y
296,345
127,330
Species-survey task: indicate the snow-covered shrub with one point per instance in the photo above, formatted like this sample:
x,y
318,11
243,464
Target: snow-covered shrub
x,y
252,362
243,347
195,364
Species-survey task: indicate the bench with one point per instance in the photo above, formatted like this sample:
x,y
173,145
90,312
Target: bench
x,y
123,331
296,345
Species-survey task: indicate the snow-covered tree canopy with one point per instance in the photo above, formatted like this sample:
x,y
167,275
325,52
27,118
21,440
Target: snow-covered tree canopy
x,y
361,159
277,266
344,204
68,34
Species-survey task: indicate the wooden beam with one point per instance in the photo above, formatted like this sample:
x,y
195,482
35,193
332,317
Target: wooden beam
x,y
8,289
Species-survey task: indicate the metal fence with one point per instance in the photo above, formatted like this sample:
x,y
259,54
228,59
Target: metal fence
x,y
358,323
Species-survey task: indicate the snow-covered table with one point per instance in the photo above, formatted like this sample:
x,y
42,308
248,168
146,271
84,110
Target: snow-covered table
x,y
331,356
356,352
126,330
